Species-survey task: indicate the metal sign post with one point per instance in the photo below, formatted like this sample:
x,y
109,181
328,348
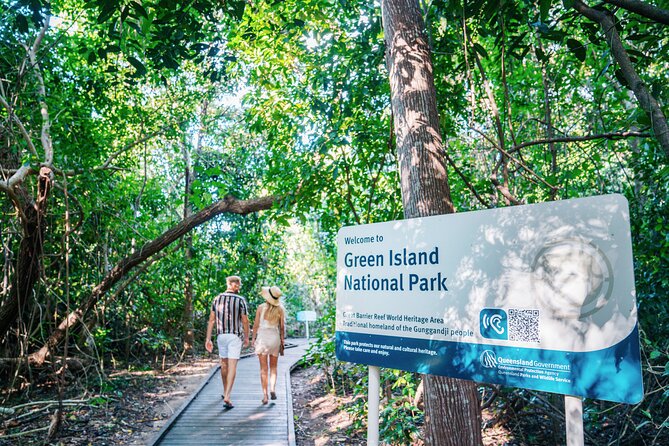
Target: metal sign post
x,y
573,414
306,316
373,406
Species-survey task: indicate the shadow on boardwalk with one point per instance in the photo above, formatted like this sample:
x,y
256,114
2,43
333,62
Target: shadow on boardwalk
x,y
203,419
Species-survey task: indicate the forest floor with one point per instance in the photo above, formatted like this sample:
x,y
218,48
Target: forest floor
x,y
131,407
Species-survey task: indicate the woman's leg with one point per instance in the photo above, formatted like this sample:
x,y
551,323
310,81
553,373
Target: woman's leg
x,y
263,376
273,361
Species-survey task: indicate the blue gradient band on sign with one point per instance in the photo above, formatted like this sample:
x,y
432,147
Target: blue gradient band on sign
x,y
612,374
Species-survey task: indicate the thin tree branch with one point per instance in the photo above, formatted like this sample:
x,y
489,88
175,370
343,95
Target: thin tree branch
x,y
644,9
647,101
349,198
504,190
505,84
130,145
47,144
375,179
612,136
469,185
21,127
517,161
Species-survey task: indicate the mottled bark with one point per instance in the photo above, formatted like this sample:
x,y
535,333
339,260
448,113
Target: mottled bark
x,y
424,181
452,410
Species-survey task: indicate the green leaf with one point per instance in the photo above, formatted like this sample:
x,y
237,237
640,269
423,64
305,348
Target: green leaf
x,y
108,10
139,66
577,48
619,75
216,170
479,49
544,8
655,354
140,10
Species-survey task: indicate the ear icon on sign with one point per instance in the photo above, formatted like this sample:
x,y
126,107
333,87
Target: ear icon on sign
x,y
493,323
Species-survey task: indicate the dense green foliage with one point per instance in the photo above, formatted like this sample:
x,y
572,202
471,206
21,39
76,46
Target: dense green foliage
x,y
291,98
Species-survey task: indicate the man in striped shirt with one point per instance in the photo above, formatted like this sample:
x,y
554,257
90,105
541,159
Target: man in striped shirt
x,y
230,312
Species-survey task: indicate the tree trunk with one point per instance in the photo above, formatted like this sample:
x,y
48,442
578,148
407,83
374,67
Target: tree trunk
x,y
191,176
228,204
452,409
189,336
30,250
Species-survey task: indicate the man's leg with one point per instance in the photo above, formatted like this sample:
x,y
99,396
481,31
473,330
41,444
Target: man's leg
x,y
224,373
230,378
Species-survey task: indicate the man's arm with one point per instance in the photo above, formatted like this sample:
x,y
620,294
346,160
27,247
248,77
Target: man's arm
x,y
245,321
210,325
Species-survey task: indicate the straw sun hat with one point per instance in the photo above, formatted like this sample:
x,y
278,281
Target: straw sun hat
x,y
271,294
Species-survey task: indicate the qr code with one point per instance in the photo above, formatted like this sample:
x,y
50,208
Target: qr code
x,y
524,325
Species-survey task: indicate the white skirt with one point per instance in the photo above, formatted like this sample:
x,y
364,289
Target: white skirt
x,y
268,341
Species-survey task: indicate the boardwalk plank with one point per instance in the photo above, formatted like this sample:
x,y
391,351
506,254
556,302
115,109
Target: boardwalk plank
x,y
206,421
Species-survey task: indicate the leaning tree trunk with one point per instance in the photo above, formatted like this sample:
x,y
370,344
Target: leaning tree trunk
x,y
226,205
453,417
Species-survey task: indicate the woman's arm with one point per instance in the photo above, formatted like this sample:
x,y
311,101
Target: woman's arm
x,y
256,322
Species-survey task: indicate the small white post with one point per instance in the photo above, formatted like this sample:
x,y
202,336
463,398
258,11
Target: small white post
x,y
373,406
307,322
573,414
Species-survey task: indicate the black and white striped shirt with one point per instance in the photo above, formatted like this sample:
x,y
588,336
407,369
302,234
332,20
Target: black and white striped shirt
x,y
229,309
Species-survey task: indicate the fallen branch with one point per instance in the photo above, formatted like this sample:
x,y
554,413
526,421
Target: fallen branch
x,y
37,403
22,363
21,434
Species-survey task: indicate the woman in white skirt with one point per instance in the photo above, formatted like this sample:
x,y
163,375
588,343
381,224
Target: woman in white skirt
x,y
268,335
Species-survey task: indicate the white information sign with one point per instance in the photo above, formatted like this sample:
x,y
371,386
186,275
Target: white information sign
x,y
306,316
538,296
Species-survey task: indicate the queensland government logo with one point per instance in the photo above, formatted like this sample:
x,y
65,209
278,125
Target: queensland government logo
x,y
488,359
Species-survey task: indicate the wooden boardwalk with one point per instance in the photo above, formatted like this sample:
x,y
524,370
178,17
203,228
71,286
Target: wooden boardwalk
x,y
204,421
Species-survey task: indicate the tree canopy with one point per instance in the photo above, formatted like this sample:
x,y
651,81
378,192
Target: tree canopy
x,y
260,128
